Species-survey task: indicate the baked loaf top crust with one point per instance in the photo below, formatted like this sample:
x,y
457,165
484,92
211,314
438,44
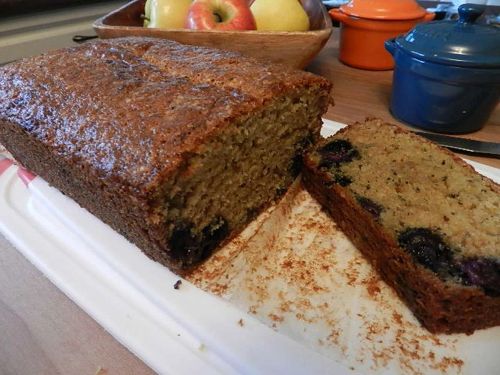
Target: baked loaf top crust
x,y
110,120
433,204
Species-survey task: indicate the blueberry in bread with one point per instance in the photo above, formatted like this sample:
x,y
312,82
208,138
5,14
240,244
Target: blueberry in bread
x,y
425,219
176,147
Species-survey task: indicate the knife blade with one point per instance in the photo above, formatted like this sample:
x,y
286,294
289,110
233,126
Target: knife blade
x,y
470,146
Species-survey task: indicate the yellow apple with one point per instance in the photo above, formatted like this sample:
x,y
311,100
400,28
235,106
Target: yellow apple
x,y
280,15
167,14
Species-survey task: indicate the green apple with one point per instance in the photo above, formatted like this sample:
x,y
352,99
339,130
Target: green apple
x,y
280,15
147,13
167,14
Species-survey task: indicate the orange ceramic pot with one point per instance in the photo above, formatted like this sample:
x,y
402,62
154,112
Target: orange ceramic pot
x,y
367,24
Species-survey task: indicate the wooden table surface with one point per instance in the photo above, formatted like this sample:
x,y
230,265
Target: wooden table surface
x,y
43,332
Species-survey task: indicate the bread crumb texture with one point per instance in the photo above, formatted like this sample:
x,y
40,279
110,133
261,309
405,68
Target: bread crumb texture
x,y
417,187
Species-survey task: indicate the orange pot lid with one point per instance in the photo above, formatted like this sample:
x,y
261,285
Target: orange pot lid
x,y
384,9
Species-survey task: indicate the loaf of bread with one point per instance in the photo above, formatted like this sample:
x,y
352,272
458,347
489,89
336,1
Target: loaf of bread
x,y
425,219
176,147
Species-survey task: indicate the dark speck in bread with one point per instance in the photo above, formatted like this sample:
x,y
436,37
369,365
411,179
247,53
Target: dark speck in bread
x,y
337,152
190,247
482,272
213,234
296,165
301,146
369,205
341,179
427,247
184,244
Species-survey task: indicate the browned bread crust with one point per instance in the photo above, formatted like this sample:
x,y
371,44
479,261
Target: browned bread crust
x,y
442,306
115,125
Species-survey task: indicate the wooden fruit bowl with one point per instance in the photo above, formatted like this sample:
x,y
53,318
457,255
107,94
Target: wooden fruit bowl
x,y
295,49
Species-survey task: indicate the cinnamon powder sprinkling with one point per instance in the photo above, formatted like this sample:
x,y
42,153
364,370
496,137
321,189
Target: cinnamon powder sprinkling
x,y
294,268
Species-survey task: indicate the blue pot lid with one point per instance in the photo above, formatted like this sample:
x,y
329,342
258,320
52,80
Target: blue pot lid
x,y
459,43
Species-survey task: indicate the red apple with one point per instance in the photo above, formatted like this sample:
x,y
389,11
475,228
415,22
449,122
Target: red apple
x,y
220,15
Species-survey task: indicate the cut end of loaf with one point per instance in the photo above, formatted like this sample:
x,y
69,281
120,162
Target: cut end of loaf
x,y
234,176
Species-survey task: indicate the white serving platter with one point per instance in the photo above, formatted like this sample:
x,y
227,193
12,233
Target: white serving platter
x,y
175,331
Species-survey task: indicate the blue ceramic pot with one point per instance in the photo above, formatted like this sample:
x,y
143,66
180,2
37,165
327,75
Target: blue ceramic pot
x,y
447,74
